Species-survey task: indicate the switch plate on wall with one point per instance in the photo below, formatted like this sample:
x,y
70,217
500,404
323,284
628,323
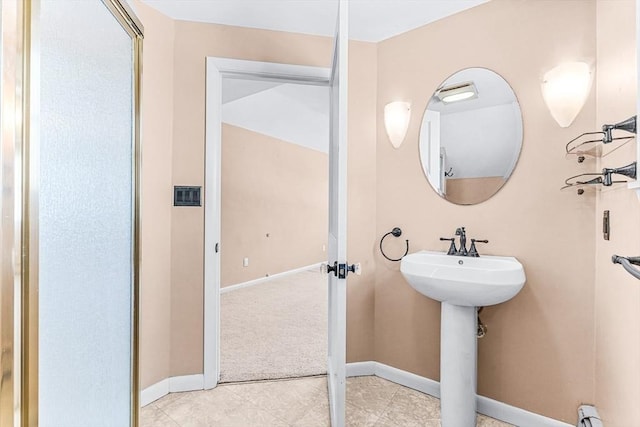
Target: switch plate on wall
x,y
186,196
245,262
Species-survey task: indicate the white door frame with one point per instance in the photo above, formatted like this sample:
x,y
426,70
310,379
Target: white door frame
x,y
217,69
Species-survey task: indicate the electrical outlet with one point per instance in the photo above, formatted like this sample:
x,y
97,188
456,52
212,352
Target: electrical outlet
x,y
324,248
245,262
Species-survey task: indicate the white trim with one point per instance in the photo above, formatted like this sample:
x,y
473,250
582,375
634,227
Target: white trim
x,y
267,278
154,392
492,408
516,416
217,69
407,379
186,383
360,369
398,376
171,385
256,70
213,175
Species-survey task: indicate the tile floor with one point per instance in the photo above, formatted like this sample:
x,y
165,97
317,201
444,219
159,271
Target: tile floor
x,y
371,401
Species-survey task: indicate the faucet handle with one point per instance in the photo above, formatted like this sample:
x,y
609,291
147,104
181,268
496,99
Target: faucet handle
x,y
452,249
473,252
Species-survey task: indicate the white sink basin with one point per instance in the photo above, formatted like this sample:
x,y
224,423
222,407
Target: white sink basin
x,y
464,281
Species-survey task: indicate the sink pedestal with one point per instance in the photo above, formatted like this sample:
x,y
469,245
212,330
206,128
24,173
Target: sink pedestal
x,y
461,284
458,361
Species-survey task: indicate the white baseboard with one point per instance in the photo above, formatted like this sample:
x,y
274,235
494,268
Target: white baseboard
x,y
171,385
395,375
516,416
186,383
154,392
492,408
407,379
267,278
361,369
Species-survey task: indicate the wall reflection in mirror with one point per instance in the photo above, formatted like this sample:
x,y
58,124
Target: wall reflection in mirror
x,y
471,136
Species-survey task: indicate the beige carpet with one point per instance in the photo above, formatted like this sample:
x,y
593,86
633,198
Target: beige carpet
x,y
276,329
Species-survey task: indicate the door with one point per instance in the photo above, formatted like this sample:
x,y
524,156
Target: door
x,y
83,213
11,208
338,221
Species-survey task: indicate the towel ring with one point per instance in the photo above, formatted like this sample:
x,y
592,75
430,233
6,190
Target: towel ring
x,y
396,232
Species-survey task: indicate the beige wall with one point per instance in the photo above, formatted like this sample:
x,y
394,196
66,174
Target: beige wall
x,y
469,191
361,181
193,43
274,205
157,129
571,336
538,353
617,294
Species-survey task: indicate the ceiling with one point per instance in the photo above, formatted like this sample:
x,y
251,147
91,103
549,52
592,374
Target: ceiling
x,y
369,20
295,113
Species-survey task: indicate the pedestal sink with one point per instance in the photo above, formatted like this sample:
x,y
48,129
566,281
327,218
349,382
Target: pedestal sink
x,y
462,284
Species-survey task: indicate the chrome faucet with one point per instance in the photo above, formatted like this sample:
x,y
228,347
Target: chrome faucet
x,y
462,251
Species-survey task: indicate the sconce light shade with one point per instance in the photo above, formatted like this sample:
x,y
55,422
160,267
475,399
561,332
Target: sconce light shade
x,y
565,90
396,121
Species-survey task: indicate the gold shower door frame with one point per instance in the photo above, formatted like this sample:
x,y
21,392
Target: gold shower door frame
x,y
19,157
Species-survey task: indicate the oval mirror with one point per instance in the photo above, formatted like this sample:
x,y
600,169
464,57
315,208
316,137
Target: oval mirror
x,y
471,135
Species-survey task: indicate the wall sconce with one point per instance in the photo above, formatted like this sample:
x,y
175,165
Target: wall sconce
x,y
565,89
396,121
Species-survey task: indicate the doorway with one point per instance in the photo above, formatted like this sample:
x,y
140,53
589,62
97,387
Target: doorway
x,y
336,79
274,198
253,78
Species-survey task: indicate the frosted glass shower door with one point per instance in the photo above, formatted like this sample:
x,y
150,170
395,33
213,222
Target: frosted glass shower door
x,y
85,215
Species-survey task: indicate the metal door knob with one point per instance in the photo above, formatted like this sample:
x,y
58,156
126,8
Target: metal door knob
x,y
325,268
356,269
